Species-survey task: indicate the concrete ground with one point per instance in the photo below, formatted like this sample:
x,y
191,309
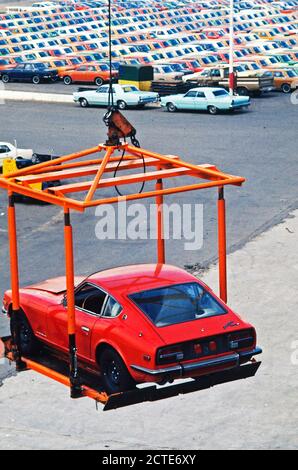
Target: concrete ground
x,y
256,413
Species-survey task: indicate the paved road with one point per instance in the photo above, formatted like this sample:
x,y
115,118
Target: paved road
x,y
259,144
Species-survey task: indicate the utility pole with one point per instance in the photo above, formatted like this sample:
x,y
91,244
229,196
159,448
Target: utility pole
x,y
231,52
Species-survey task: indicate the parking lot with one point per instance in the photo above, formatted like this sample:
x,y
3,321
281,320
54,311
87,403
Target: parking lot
x,y
258,144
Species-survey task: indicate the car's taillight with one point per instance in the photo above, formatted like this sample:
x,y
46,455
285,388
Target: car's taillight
x,y
170,354
242,339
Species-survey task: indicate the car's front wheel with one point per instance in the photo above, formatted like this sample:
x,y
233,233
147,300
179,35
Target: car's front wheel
x,y
67,80
36,79
212,109
5,78
114,373
28,342
171,107
84,103
121,104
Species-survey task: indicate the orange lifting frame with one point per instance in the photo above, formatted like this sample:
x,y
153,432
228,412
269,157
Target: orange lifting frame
x,y
71,166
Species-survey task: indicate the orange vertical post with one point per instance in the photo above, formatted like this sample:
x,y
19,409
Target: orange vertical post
x,y
75,387
222,250
160,228
14,274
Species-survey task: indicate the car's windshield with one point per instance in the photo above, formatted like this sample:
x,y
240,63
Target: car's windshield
x,y
177,304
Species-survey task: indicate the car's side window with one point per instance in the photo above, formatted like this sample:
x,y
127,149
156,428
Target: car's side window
x,y
103,89
201,94
191,94
90,298
112,308
4,149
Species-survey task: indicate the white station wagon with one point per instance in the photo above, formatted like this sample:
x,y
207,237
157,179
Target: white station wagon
x,y
124,95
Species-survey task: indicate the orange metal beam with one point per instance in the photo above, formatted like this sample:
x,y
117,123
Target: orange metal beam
x,y
206,173
45,165
86,170
120,180
99,174
222,251
160,227
166,191
101,397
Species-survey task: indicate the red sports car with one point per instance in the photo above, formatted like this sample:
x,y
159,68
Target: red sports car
x,y
136,324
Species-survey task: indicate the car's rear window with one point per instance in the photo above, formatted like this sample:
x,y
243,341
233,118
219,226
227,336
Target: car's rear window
x,y
220,93
177,303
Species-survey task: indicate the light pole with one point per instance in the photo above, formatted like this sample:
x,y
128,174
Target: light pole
x,y
231,51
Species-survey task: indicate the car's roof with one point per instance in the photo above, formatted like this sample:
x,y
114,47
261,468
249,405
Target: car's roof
x,y
135,278
206,88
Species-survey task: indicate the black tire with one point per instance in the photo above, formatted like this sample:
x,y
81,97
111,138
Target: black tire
x,y
286,88
98,81
121,104
212,110
36,79
28,342
84,103
242,91
5,78
35,158
114,373
67,80
171,108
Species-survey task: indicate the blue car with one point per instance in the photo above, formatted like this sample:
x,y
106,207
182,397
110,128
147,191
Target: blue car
x,y
205,99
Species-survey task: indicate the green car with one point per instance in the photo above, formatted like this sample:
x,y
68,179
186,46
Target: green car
x,y
205,99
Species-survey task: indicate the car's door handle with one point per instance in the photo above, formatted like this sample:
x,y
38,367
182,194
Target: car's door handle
x,y
85,329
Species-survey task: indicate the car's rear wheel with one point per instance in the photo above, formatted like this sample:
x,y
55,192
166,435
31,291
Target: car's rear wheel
x,y
5,78
212,109
286,88
84,103
67,80
171,107
114,373
36,79
98,81
28,342
242,91
121,104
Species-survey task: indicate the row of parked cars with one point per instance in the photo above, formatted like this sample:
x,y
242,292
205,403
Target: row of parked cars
x,y
183,41
208,99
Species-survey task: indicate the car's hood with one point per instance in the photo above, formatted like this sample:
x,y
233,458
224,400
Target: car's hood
x,y
203,328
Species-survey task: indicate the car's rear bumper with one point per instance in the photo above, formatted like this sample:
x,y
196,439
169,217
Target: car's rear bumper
x,y
202,367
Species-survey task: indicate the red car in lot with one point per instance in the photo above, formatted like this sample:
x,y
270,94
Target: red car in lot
x,y
136,324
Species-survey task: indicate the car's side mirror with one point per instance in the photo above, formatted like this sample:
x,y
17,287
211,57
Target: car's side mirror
x,y
64,301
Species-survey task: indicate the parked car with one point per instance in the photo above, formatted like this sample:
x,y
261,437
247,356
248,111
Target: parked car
x,y
137,324
205,99
8,150
97,74
247,82
124,95
285,80
30,72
